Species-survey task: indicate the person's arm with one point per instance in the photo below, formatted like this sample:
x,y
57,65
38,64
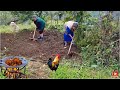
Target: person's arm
x,y
70,36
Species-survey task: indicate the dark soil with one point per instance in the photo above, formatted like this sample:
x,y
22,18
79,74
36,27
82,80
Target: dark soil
x,y
36,51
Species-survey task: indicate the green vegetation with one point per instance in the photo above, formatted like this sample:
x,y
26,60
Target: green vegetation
x,y
68,70
8,29
2,76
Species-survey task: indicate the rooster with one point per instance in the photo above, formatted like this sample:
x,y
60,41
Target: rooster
x,y
53,64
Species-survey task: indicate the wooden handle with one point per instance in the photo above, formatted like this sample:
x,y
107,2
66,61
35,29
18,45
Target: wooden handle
x,y
34,34
70,47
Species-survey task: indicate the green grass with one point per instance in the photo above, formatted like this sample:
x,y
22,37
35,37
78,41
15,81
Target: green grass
x,y
7,28
25,26
66,70
2,76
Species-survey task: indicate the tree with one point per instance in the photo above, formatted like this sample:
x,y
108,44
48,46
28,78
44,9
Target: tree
x,y
25,15
5,17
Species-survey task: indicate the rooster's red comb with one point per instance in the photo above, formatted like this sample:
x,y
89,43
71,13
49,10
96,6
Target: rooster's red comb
x,y
55,54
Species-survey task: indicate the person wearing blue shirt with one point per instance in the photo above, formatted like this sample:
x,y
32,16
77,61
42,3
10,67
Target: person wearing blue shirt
x,y
70,27
40,25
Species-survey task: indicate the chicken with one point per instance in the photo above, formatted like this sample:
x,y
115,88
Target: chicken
x,y
53,64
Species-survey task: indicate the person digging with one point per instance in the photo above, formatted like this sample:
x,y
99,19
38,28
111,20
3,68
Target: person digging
x,y
70,27
40,25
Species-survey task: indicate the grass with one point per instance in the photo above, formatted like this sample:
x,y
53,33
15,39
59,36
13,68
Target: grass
x,y
68,71
5,29
8,29
2,76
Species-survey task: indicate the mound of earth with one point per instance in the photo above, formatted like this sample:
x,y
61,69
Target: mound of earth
x,y
21,45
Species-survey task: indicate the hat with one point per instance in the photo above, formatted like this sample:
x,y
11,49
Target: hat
x,y
34,16
75,24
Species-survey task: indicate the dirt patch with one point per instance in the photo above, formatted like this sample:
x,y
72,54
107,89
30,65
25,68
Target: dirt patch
x,y
38,51
38,70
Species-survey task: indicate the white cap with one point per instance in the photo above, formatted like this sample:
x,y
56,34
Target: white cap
x,y
34,16
75,24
